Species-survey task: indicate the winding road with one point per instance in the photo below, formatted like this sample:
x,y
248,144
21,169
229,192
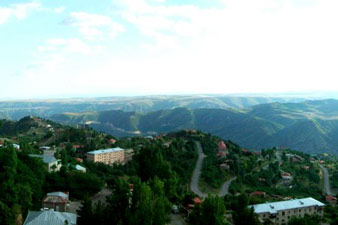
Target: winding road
x,y
327,187
197,173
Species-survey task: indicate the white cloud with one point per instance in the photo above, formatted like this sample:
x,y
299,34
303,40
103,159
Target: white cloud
x,y
245,46
94,26
263,45
61,45
18,11
59,9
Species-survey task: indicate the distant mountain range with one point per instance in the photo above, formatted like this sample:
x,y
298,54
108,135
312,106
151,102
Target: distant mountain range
x,y
16,110
310,126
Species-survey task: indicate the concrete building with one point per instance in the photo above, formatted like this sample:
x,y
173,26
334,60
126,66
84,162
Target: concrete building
x,y
281,212
53,164
50,217
107,156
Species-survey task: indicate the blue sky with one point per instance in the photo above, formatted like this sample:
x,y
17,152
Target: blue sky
x,y
69,48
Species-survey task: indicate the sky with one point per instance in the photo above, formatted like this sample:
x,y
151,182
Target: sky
x,y
65,48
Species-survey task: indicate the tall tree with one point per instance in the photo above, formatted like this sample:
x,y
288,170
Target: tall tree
x,y
212,211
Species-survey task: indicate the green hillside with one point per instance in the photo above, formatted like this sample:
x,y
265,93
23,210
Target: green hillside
x,y
15,110
310,126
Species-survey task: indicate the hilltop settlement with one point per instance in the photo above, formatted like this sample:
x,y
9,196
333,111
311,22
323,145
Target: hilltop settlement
x,y
56,174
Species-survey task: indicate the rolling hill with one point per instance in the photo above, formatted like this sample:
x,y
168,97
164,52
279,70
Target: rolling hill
x,y
15,110
310,126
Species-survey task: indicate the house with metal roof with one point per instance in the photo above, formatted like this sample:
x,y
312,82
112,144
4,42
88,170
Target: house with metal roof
x,y
53,164
80,168
56,201
281,212
50,217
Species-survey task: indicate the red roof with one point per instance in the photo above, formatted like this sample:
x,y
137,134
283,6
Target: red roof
x,y
285,174
258,193
330,198
197,201
245,150
77,146
79,160
112,141
222,145
221,154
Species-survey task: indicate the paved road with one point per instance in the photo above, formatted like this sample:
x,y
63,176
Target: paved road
x,y
101,196
225,187
327,187
197,172
176,219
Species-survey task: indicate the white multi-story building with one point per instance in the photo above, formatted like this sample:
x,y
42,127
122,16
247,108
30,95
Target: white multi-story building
x,y
282,212
107,156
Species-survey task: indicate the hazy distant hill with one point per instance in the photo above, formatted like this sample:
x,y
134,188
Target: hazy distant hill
x,y
310,126
16,110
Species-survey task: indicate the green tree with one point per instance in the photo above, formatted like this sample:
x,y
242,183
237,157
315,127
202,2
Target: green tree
x,y
85,213
212,211
242,214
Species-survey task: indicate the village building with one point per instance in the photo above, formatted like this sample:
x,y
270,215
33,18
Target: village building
x,y
331,199
286,176
53,164
258,194
80,169
50,217
44,148
281,212
79,160
222,146
110,156
56,201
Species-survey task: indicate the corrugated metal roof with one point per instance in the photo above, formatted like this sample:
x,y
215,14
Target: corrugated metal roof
x,y
46,158
78,167
274,207
101,151
58,193
50,217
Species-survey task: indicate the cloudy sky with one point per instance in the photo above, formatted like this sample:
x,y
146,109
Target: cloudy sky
x,y
61,48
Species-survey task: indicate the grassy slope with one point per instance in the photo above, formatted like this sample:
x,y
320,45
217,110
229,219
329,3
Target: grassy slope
x,y
310,126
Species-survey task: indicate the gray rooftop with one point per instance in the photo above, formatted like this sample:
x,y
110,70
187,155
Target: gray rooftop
x,y
274,207
59,194
50,217
101,151
45,158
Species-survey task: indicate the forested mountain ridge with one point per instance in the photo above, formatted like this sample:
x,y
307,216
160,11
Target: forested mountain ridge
x,y
43,108
310,126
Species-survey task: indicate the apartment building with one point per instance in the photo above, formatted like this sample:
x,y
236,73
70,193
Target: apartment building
x,y
281,212
107,156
